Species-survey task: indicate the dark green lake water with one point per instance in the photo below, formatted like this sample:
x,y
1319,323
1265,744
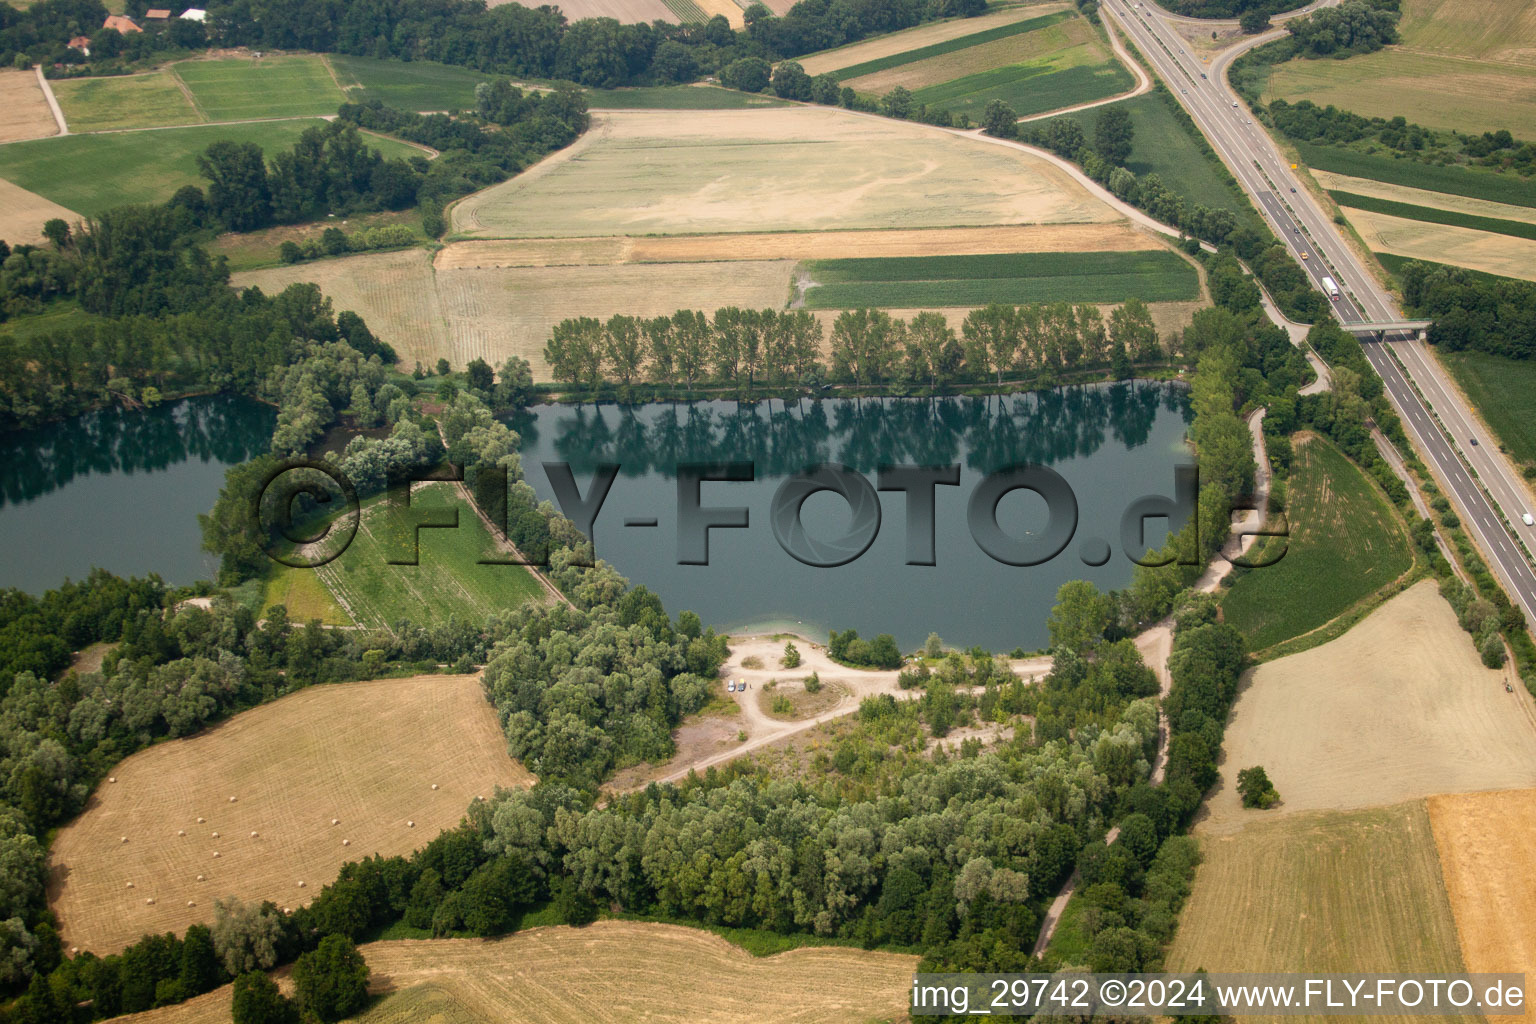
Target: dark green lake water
x,y
121,490
1112,444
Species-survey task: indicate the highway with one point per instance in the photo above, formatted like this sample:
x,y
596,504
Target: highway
x,y
1300,222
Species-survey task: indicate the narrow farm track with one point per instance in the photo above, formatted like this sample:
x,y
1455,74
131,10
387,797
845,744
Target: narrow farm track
x,y
53,101
1143,81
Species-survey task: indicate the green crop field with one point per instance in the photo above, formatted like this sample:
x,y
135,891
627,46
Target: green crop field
x,y
896,60
1504,392
92,173
448,581
1166,146
1345,544
1155,275
686,11
1457,181
409,85
1032,88
679,97
1432,215
123,101
234,89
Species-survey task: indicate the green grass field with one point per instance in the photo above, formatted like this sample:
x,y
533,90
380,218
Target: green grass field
x,y
234,89
1458,181
446,582
896,60
123,101
1032,88
1155,275
92,173
1345,544
1504,393
61,315
409,85
1163,145
679,97
1433,215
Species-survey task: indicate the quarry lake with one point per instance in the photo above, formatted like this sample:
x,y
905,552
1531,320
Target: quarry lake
x,y
1112,444
121,490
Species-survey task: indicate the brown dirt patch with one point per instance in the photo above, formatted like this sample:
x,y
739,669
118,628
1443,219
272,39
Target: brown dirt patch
x,y
611,971
1504,255
804,245
23,213
367,753
1316,720
1487,858
24,112
921,36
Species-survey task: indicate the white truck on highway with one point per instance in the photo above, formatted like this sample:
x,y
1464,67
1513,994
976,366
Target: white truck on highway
x,y
1332,288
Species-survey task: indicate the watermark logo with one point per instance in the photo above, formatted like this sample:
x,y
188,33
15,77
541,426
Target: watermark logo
x,y
310,512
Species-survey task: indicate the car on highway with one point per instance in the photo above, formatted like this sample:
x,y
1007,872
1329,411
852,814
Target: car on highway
x,y
1305,256
1525,517
1205,76
1293,188
1474,442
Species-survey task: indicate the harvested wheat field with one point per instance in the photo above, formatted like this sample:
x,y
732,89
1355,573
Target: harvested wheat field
x,y
628,11
1424,197
921,36
1399,707
1331,892
24,110
23,213
269,782
728,9
618,971
1504,255
1487,858
493,314
394,292
780,169
793,245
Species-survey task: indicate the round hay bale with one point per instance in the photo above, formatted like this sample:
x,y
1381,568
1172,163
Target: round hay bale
x,y
335,821
112,778
125,839
231,799
434,785
181,831
200,878
130,885
149,902
346,842
200,821
215,835
73,950
215,853
410,824
191,903
254,834
301,885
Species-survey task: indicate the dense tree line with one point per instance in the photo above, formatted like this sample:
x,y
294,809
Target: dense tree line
x,y
505,40
1353,27
1473,311
1305,121
40,33
165,320
745,348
